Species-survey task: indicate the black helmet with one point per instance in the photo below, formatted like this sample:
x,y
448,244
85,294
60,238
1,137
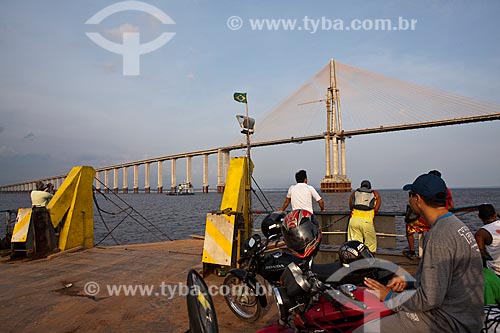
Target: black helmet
x,y
301,232
271,225
353,250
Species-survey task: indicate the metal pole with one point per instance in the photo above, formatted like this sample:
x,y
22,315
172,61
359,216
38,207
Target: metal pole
x,y
334,126
248,228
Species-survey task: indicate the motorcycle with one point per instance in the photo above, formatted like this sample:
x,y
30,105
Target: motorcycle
x,y
200,306
246,296
306,304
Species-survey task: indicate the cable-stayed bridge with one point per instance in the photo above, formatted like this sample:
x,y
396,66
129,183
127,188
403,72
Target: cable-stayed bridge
x,y
339,102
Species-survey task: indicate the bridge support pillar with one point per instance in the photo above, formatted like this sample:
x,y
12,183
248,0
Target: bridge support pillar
x,y
173,176
220,172
204,188
136,179
188,169
147,187
106,181
338,182
159,188
115,180
125,180
98,181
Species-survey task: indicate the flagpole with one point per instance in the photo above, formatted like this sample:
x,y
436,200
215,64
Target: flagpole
x,y
250,216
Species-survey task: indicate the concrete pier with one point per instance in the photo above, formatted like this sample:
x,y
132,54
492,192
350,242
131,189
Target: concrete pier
x,y
115,180
125,180
136,179
159,188
338,182
106,181
147,187
60,301
173,175
205,174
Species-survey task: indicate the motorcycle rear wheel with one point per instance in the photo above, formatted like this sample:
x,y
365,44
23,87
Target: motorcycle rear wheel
x,y
241,299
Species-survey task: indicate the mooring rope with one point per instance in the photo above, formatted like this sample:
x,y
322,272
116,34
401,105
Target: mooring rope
x,y
257,196
129,210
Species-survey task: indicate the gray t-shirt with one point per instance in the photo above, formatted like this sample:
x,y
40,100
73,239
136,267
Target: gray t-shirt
x,y
449,286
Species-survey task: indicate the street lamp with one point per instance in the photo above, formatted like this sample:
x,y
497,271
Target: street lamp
x,y
246,123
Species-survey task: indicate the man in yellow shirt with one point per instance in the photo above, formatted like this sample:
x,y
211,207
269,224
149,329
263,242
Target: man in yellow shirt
x,y
364,203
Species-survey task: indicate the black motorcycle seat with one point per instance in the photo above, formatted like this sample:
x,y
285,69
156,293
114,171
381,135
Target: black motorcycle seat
x,y
323,271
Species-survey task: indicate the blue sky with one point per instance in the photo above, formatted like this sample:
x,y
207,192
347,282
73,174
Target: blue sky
x,y
65,102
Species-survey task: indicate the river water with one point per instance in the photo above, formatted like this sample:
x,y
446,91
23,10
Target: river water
x,y
159,217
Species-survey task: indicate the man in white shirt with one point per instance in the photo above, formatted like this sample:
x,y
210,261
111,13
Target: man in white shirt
x,y
40,197
488,237
301,195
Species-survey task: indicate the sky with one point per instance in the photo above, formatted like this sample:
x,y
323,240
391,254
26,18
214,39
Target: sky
x,y
65,101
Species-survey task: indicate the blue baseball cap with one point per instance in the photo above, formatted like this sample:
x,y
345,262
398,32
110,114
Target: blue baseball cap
x,y
428,186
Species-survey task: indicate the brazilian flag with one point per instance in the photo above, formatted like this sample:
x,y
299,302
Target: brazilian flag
x,y
240,97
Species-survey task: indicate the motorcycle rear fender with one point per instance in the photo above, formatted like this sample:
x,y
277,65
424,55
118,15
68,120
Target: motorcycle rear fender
x,y
251,281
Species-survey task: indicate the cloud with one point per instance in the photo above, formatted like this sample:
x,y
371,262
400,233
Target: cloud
x,y
1,129
6,151
109,68
118,32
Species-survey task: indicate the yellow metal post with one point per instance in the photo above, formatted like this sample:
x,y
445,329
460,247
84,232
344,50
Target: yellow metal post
x,y
221,231
71,208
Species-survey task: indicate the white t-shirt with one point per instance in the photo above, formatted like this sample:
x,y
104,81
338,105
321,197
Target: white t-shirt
x,y
301,196
40,198
494,248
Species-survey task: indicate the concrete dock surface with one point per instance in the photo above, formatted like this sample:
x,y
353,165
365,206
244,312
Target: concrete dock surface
x,y
86,290
60,295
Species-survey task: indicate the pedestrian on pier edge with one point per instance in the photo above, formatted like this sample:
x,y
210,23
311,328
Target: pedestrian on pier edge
x,y
40,197
363,203
50,188
488,237
449,279
420,227
300,195
488,240
43,233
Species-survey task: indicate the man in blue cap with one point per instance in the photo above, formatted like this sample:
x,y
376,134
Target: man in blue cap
x,y
449,280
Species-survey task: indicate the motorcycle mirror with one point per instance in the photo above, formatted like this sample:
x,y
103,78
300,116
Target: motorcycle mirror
x,y
251,242
272,238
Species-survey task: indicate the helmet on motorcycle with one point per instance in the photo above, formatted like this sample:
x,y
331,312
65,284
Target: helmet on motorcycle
x,y
301,232
353,250
271,225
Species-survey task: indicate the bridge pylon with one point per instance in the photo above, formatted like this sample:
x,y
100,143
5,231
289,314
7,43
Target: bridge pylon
x,y
338,181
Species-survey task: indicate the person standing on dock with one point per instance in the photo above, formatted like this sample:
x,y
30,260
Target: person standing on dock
x,y
44,238
40,197
420,227
449,281
488,237
301,194
364,203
